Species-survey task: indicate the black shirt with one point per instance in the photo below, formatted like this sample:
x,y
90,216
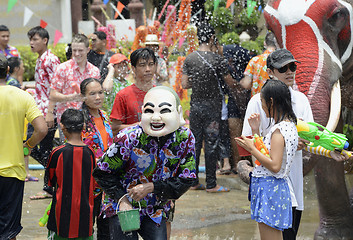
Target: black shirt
x,y
97,58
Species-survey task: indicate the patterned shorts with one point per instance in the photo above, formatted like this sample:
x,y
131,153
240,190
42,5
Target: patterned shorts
x,y
271,202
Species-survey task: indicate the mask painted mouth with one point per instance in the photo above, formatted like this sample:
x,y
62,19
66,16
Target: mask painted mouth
x,y
157,126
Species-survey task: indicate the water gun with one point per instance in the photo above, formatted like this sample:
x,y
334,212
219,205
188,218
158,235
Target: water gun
x,y
259,144
326,139
43,220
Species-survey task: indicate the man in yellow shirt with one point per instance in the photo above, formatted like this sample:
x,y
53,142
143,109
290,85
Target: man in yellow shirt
x,y
15,106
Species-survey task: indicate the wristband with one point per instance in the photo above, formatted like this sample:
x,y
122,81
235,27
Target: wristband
x,y
27,142
25,151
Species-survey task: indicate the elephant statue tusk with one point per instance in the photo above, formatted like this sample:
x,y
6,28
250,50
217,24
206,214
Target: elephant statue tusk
x,y
335,108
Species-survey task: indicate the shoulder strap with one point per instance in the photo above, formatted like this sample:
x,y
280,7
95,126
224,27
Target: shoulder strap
x,y
215,73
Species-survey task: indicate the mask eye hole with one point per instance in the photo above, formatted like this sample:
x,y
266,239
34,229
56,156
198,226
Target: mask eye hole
x,y
166,110
148,110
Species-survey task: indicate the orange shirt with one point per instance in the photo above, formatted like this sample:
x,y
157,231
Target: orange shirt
x,y
256,69
100,126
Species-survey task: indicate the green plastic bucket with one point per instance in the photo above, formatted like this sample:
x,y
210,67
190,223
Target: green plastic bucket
x,y
130,219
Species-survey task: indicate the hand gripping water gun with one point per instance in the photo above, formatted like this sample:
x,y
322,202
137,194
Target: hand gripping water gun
x,y
259,144
43,220
326,139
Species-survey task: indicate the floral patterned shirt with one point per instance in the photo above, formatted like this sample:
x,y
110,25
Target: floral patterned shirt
x,y
65,77
110,96
136,158
91,137
256,69
10,51
45,67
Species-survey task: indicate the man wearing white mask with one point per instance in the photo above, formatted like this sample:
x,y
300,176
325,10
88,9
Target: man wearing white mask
x,y
152,162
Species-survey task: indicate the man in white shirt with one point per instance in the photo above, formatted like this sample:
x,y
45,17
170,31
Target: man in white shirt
x,y
281,65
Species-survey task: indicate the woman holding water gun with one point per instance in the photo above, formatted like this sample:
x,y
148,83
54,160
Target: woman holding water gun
x,y
271,204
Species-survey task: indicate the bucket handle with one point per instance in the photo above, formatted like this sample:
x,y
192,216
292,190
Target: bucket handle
x,y
120,201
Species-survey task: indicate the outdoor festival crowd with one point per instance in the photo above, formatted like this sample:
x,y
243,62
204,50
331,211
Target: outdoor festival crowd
x,y
123,143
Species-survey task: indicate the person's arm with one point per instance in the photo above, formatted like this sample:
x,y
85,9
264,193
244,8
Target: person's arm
x,y
117,125
272,163
108,81
40,131
246,82
49,118
185,83
109,177
56,96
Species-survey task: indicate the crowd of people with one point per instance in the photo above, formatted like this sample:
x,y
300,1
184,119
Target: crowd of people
x,y
122,140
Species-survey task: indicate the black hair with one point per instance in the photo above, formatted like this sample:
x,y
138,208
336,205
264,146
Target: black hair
x,y
270,39
3,66
13,63
42,33
80,38
101,35
3,28
84,107
73,120
68,52
144,53
279,93
204,32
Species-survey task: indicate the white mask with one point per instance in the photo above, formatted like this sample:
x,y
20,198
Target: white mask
x,y
160,115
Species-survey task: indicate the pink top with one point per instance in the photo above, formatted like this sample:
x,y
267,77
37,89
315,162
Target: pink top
x,y
66,76
45,68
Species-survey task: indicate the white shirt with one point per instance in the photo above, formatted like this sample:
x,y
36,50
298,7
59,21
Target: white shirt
x,y
302,110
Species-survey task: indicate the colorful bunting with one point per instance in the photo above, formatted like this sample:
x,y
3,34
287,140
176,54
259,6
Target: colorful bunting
x,y
27,16
43,23
105,2
11,4
57,37
229,2
120,8
250,8
215,4
163,9
130,28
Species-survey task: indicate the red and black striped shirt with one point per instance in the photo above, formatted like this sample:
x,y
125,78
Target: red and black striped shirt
x,y
70,173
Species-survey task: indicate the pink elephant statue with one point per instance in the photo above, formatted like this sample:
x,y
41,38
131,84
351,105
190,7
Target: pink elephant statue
x,y
319,33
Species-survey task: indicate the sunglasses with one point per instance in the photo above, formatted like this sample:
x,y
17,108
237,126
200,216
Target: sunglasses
x,y
291,66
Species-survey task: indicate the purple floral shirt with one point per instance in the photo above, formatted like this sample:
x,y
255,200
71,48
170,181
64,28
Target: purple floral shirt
x,y
136,158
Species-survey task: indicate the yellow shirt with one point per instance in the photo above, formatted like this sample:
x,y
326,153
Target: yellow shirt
x,y
15,106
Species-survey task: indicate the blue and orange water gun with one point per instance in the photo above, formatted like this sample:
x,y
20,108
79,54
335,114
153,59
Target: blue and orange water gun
x,y
329,140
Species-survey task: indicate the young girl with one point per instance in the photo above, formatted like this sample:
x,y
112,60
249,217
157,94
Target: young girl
x,y
271,203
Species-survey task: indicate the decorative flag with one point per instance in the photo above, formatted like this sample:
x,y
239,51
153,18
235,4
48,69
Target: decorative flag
x,y
250,8
120,8
43,23
229,2
163,9
130,28
105,2
11,4
215,4
27,16
57,37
